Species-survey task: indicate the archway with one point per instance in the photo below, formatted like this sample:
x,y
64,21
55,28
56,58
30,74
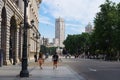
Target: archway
x,y
13,40
3,34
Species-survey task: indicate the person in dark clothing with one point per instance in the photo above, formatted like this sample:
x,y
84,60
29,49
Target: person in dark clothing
x,y
65,53
55,58
35,57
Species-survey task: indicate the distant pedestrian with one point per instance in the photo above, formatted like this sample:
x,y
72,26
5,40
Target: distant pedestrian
x,y
35,57
55,59
40,60
64,52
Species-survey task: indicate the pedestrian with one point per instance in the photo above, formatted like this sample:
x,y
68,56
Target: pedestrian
x,y
35,57
64,52
55,59
40,60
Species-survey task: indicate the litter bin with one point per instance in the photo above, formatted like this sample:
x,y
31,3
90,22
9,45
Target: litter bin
x,y
1,57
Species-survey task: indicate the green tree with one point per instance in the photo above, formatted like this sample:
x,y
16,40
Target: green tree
x,y
116,43
77,44
105,25
70,43
43,49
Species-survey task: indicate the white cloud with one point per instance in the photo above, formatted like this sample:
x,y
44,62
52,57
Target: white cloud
x,y
45,20
78,29
82,11
73,25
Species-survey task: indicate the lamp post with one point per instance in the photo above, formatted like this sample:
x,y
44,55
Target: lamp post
x,y
107,48
24,72
36,47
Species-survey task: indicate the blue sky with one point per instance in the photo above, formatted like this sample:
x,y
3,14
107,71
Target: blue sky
x,y
76,13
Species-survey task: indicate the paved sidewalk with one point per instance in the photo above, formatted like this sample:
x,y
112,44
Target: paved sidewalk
x,y
47,73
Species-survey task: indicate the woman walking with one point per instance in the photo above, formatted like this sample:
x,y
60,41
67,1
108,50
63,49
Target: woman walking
x,y
40,60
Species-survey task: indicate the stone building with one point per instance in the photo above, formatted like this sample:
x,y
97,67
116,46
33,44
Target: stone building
x,y
11,29
60,31
56,42
88,28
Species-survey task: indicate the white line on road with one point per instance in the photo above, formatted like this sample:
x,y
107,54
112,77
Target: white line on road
x,y
92,69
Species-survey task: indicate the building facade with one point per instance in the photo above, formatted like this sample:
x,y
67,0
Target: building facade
x,y
60,31
45,41
88,28
56,42
11,28
33,33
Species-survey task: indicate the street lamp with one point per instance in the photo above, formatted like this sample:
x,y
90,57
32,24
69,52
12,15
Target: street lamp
x,y
24,72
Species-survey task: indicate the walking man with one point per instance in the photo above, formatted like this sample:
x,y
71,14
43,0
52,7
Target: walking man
x,y
55,58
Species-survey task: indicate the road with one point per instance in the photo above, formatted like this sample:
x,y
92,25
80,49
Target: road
x,y
95,69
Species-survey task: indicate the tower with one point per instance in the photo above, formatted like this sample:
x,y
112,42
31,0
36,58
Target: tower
x,y
88,28
60,31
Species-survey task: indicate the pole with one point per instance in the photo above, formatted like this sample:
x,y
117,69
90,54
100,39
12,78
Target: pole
x,y
36,47
24,72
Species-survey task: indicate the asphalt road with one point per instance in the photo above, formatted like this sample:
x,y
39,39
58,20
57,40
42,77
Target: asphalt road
x,y
95,69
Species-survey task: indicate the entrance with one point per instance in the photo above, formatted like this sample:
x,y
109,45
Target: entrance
x,y
13,40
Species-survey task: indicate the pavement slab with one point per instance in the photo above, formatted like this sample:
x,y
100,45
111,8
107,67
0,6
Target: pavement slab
x,y
63,72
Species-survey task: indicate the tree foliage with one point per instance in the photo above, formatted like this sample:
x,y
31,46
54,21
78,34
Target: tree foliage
x,y
77,44
107,28
105,38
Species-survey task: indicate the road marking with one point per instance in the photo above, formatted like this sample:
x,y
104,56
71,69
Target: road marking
x,y
92,69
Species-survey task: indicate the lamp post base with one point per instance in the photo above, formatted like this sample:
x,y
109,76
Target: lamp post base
x,y
24,73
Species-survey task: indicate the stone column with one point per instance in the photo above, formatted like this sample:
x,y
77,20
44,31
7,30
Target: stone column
x,y
17,45
7,44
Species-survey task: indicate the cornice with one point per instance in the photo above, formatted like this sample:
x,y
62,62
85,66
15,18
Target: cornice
x,y
14,8
39,1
